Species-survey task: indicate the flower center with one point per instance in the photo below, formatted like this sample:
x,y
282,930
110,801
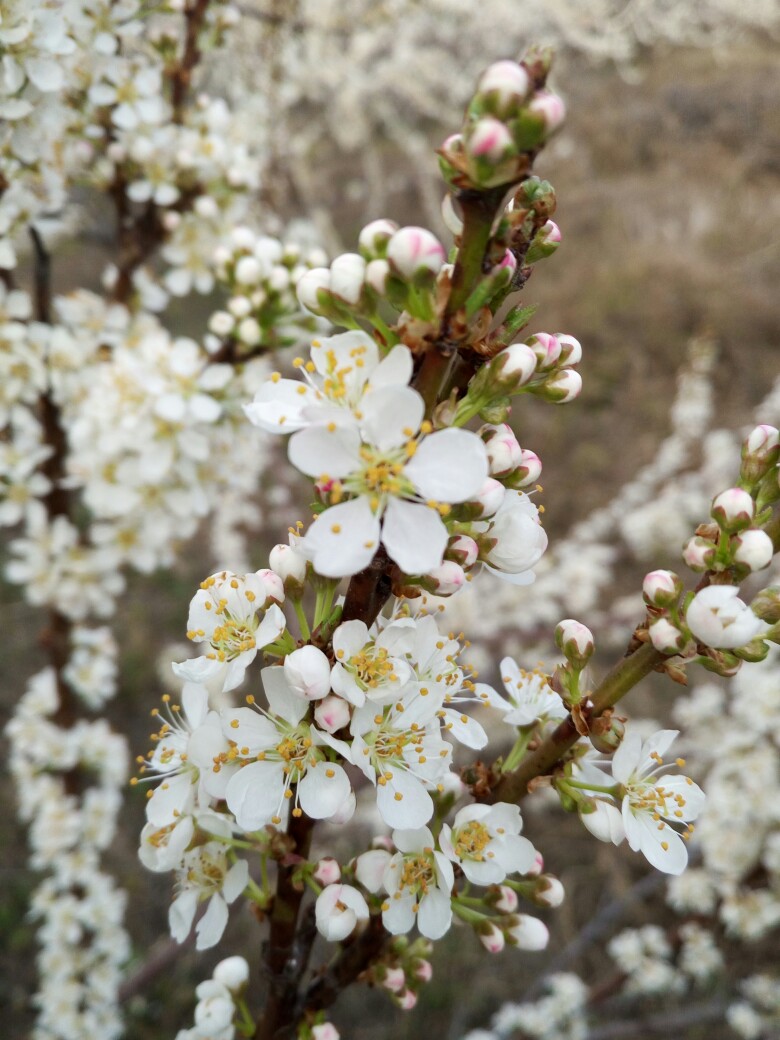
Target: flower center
x,y
471,840
419,874
371,667
233,637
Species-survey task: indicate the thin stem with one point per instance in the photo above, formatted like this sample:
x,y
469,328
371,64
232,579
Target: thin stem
x,y
299,613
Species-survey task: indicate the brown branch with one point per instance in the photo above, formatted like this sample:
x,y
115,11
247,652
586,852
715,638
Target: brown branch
x,y
350,963
181,75
161,956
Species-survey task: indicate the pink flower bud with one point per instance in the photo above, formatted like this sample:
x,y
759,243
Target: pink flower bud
x,y
666,637
545,242
274,586
407,1000
661,588
549,107
503,86
528,471
733,509
346,277
699,553
490,497
547,349
571,350
538,866
549,891
328,872
446,579
463,550
760,452
491,937
754,549
394,979
309,286
563,387
489,139
575,640
507,901
528,933
503,450
325,1031
423,970
414,251
374,237
332,714
377,273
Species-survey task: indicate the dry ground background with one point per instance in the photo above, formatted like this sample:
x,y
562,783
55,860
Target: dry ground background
x,y
668,206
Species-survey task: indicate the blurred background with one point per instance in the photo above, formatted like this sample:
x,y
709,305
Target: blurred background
x,y
666,173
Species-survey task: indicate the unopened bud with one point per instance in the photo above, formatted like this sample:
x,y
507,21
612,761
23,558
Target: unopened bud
x,y
307,672
528,471
332,714
666,637
550,108
491,153
513,367
766,605
753,652
571,350
527,933
289,564
507,900
562,387
423,970
575,640
661,588
754,549
503,450
377,273
309,287
760,453
549,891
274,586
221,323
446,579
699,553
249,332
545,242
415,253
490,497
491,937
608,739
327,872
248,271
374,237
463,550
346,277
325,1031
393,979
503,87
232,972
547,349
733,509
407,1000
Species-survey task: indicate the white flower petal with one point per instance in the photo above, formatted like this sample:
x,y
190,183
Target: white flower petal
x,y
181,914
332,451
399,916
210,927
391,416
343,540
465,729
449,466
435,914
324,790
254,794
414,536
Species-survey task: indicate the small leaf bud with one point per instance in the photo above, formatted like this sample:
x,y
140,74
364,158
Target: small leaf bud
x,y
491,937
666,637
608,739
760,452
733,509
415,253
754,549
327,872
699,553
374,237
575,640
661,588
502,87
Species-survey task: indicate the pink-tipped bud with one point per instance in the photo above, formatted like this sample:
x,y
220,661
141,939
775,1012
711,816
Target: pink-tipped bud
x,y
550,108
346,277
547,349
407,1000
528,471
274,586
528,933
661,588
576,642
545,242
325,1031
332,714
489,139
446,579
513,367
414,252
733,509
666,637
374,237
507,901
562,387
490,497
491,937
549,891
538,866
503,449
309,287
462,550
754,549
394,979
503,87
699,553
423,970
327,872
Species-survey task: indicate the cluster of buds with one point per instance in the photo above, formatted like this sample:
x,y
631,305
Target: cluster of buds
x,y
404,970
508,927
511,115
261,274
398,265
662,591
219,999
545,365
576,643
733,541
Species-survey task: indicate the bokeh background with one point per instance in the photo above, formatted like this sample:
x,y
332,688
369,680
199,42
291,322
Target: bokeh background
x,y
667,176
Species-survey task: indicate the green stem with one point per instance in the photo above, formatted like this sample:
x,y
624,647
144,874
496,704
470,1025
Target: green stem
x,y
515,756
465,913
299,613
479,211
613,790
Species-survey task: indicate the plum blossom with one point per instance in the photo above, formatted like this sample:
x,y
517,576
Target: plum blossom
x,y
338,910
364,667
237,616
514,539
485,841
717,617
418,880
530,694
206,875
